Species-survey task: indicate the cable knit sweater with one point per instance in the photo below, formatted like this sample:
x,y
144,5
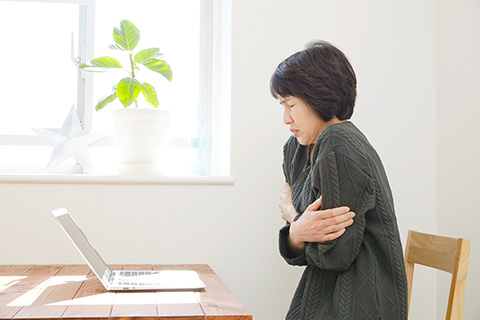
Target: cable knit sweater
x,y
360,275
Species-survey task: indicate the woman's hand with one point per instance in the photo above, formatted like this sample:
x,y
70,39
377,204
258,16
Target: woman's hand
x,y
319,226
288,211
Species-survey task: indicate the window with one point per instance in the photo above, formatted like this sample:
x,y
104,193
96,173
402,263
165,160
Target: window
x,y
42,41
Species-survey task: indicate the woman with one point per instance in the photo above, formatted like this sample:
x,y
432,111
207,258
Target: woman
x,y
355,272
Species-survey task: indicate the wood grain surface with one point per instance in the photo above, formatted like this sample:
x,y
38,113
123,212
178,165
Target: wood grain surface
x,y
73,292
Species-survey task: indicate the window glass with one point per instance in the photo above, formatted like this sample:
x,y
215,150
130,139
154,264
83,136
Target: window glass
x,y
41,82
38,85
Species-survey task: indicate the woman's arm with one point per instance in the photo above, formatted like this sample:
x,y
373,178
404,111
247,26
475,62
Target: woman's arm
x,y
313,225
340,180
319,226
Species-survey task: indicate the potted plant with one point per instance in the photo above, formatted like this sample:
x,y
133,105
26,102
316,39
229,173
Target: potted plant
x,y
141,134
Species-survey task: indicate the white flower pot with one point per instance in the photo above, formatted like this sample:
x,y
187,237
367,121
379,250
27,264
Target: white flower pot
x,y
141,138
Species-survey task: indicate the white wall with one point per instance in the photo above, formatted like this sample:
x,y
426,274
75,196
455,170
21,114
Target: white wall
x,y
458,133
234,228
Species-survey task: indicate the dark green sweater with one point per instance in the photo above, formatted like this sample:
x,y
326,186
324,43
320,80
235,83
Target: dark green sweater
x,y
360,275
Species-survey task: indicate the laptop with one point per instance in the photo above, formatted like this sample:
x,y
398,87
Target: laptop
x,y
125,280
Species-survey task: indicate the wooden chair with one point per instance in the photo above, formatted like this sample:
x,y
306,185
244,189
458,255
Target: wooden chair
x,y
443,253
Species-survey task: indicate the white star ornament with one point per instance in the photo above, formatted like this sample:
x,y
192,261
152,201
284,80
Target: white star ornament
x,y
69,141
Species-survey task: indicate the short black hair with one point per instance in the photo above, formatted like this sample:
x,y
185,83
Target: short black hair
x,y
322,77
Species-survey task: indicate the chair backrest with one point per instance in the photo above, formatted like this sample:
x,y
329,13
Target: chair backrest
x,y
447,254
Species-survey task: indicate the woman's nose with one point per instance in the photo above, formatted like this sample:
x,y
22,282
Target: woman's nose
x,y
287,119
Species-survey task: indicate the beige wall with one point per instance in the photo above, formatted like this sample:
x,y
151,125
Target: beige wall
x,y
393,48
458,137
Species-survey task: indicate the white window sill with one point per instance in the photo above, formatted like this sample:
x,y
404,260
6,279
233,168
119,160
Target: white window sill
x,y
112,179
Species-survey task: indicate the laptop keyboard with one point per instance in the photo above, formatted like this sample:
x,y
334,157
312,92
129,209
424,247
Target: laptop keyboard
x,y
178,279
138,278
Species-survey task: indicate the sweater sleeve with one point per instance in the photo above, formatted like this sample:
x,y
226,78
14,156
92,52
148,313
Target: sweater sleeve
x,y
285,251
341,182
284,247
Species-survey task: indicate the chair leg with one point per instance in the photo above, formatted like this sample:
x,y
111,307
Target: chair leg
x,y
459,282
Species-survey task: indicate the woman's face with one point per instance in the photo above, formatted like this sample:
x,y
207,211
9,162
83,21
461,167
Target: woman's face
x,y
305,125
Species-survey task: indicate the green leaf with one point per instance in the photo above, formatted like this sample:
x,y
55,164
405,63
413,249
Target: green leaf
x,y
128,90
102,63
106,100
146,54
127,36
159,66
150,94
115,47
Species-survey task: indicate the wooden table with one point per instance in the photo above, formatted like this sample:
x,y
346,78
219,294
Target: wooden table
x,y
74,292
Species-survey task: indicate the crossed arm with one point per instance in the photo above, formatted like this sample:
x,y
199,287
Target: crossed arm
x,y
340,180
313,225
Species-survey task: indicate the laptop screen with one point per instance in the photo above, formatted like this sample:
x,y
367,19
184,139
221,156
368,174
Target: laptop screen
x,y
86,249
